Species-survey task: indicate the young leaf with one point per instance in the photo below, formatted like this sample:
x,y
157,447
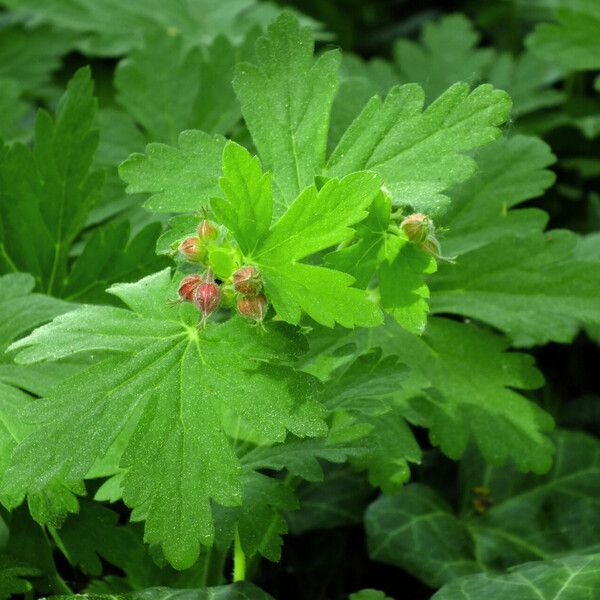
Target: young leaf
x,y
286,101
318,219
12,577
46,193
420,153
576,577
178,383
179,179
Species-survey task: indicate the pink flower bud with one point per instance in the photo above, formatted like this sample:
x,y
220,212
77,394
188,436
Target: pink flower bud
x,y
207,297
207,231
247,281
188,286
417,227
253,307
192,249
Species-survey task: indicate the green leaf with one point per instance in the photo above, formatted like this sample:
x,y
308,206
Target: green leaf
x,y
317,220
576,577
339,500
114,28
30,55
47,192
13,576
286,101
420,153
523,518
446,53
369,594
20,312
471,381
574,41
534,289
168,86
510,171
236,591
179,179
12,109
110,256
179,457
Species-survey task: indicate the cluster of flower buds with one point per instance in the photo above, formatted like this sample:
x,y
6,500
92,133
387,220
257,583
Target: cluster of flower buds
x,y
419,228
193,248
203,292
251,303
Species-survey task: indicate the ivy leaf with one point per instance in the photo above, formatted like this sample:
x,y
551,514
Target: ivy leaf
x,y
179,457
420,153
510,171
317,220
534,289
179,179
286,101
47,192
470,381
574,41
573,576
523,517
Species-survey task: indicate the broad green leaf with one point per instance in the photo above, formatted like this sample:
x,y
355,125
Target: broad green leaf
x,y
534,289
419,152
179,457
570,578
447,52
523,517
113,27
46,193
574,41
109,256
470,381
317,220
168,86
179,179
510,171
286,101
30,55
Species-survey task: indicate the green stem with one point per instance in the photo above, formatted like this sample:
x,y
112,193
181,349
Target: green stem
x,y
239,559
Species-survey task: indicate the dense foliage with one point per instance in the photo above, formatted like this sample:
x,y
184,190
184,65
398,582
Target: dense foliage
x,y
280,319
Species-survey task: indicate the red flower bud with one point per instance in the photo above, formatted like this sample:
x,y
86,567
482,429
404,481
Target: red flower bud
x,y
253,307
192,249
417,227
248,281
188,286
207,297
207,231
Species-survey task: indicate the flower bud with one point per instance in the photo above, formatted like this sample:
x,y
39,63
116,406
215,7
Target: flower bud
x,y
247,281
417,227
188,286
207,297
192,249
253,307
207,231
